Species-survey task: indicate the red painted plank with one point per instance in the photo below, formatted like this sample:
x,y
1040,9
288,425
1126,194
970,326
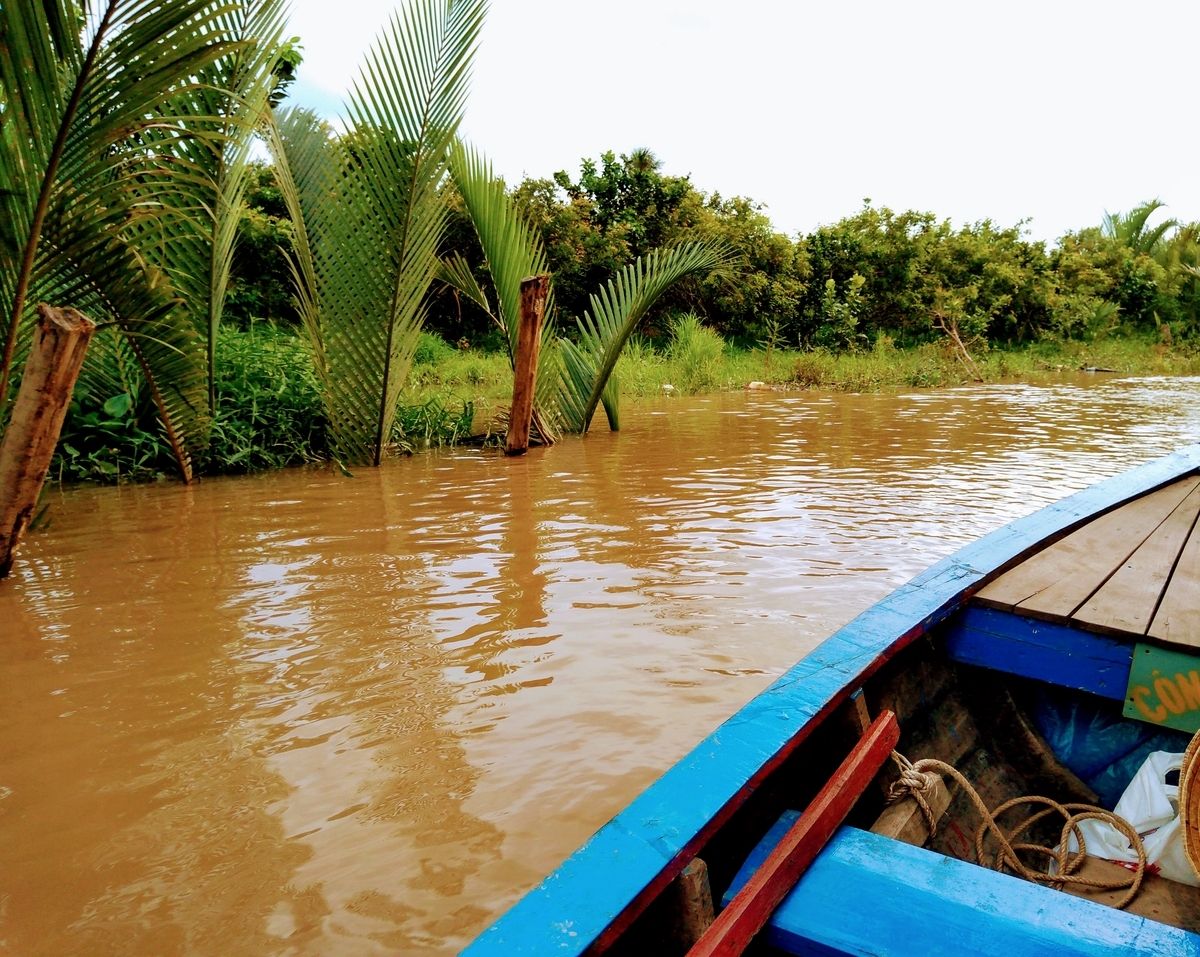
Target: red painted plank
x,y
750,910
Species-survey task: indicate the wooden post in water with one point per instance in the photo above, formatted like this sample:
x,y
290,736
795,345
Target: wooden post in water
x,y
59,344
534,290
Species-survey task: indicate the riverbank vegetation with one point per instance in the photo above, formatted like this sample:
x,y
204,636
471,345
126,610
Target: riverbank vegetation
x,y
269,411
484,379
357,296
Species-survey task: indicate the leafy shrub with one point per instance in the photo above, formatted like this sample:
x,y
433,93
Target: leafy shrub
x,y
102,440
269,411
432,349
840,315
432,423
111,431
695,352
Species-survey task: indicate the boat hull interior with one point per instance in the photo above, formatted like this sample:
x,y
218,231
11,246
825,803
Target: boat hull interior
x,y
989,725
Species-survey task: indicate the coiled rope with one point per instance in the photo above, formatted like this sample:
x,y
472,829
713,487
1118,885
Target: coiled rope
x,y
921,778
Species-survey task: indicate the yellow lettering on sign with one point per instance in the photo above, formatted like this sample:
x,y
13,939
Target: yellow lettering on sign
x,y
1189,684
1169,695
1158,715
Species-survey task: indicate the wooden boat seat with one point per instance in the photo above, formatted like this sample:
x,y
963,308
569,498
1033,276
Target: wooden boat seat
x,y
1159,899
865,888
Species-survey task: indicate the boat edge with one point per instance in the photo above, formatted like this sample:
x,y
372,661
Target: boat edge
x,y
608,881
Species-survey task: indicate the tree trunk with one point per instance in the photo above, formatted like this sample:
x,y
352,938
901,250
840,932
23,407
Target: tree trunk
x,y
950,327
59,345
534,290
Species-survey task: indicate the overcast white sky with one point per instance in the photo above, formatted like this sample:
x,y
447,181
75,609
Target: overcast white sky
x,y
1054,110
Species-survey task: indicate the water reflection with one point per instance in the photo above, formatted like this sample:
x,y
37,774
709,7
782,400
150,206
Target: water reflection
x,y
305,714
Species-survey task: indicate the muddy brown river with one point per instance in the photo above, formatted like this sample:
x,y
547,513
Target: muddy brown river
x,y
305,714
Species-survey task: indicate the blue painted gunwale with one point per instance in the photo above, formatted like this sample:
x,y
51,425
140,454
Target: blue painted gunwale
x,y
600,889
923,904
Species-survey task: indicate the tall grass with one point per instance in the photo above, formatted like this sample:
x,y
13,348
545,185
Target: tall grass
x,y
682,369
431,423
934,364
269,412
696,353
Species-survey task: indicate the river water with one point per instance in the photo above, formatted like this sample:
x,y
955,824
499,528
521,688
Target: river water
x,y
306,714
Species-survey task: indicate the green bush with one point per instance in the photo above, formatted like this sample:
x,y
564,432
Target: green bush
x,y
269,411
432,349
102,440
695,352
902,273
432,423
111,431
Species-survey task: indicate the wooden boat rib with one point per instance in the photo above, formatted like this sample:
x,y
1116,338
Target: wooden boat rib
x,y
1058,600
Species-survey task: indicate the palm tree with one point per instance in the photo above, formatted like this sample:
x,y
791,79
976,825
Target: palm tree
x,y
589,366
512,250
575,378
642,160
91,155
1131,229
371,214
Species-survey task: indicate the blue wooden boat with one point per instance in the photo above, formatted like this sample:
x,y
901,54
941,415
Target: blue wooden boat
x,y
1046,658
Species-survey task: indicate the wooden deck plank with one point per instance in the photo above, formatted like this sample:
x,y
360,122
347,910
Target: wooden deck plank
x,y
1125,604
1057,580
1178,616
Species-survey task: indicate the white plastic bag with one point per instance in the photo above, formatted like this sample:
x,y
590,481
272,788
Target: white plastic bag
x,y
1151,806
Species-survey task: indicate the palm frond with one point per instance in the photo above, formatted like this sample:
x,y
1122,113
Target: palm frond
x,y
1151,242
1130,229
247,78
301,147
228,101
373,237
456,273
511,247
617,308
110,368
89,155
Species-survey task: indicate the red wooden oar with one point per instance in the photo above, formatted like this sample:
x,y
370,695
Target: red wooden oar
x,y
749,911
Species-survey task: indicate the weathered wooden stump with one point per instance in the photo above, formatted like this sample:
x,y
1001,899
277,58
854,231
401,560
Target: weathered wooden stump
x,y
534,290
693,905
59,345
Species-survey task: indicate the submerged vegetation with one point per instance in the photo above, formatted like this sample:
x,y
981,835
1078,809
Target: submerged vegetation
x,y
358,296
269,412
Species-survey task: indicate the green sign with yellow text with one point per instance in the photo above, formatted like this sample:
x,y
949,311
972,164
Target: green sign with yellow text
x,y
1164,688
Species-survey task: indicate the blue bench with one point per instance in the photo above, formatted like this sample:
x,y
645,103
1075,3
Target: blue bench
x,y
871,895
